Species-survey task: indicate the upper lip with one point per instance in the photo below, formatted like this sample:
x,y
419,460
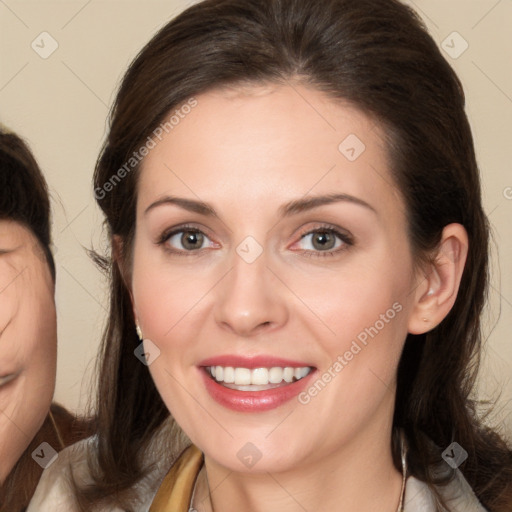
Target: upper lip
x,y
259,361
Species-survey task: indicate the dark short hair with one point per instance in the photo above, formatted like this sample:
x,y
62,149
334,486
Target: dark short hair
x,y
24,194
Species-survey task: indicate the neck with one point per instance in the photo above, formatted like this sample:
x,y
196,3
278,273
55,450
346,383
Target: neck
x,y
358,476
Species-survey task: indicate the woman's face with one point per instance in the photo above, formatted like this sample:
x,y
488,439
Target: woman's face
x,y
269,282
27,341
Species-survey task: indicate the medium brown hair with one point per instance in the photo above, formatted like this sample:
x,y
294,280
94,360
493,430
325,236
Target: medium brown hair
x,y
378,56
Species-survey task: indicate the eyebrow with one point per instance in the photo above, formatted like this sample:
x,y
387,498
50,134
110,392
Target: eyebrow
x,y
292,208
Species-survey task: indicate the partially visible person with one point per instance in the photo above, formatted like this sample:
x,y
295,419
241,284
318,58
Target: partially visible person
x,y
297,273
28,330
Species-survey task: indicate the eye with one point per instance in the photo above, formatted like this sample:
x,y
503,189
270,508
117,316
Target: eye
x,y
325,241
321,241
182,240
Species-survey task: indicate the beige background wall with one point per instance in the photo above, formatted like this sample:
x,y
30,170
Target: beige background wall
x,y
60,103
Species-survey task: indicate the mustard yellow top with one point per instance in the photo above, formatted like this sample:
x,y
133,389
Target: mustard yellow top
x,y
176,489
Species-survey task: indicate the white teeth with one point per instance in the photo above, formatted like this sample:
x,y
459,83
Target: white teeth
x,y
229,375
242,376
257,376
301,372
275,375
288,374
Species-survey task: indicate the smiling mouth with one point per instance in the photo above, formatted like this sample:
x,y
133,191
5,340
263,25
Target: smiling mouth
x,y
256,379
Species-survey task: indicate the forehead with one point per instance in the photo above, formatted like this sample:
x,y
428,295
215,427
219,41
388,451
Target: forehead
x,y
14,235
270,142
21,253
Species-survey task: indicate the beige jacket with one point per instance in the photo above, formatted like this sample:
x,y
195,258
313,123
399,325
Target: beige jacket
x,y
54,493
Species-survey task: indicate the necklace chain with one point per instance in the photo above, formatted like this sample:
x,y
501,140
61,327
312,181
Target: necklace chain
x,y
404,478
404,472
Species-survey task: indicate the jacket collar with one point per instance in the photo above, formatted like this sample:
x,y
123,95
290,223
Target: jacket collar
x,y
458,495
176,489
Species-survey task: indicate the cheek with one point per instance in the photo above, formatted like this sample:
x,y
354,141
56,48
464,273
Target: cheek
x,y
166,305
167,302
165,295
26,402
160,300
24,406
37,320
367,311
35,329
36,333
366,298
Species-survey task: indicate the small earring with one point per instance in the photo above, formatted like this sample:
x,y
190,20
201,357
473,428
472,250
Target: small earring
x,y
430,292
139,332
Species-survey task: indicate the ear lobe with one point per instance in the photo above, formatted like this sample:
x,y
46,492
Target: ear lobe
x,y
436,295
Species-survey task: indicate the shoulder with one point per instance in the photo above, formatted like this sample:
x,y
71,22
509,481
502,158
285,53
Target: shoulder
x,y
458,494
55,492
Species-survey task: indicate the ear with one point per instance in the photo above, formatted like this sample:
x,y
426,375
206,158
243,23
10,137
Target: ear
x,y
119,259
437,292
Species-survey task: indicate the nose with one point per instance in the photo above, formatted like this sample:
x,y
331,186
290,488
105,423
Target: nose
x,y
251,299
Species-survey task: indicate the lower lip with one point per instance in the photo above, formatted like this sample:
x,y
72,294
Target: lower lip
x,y
253,401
